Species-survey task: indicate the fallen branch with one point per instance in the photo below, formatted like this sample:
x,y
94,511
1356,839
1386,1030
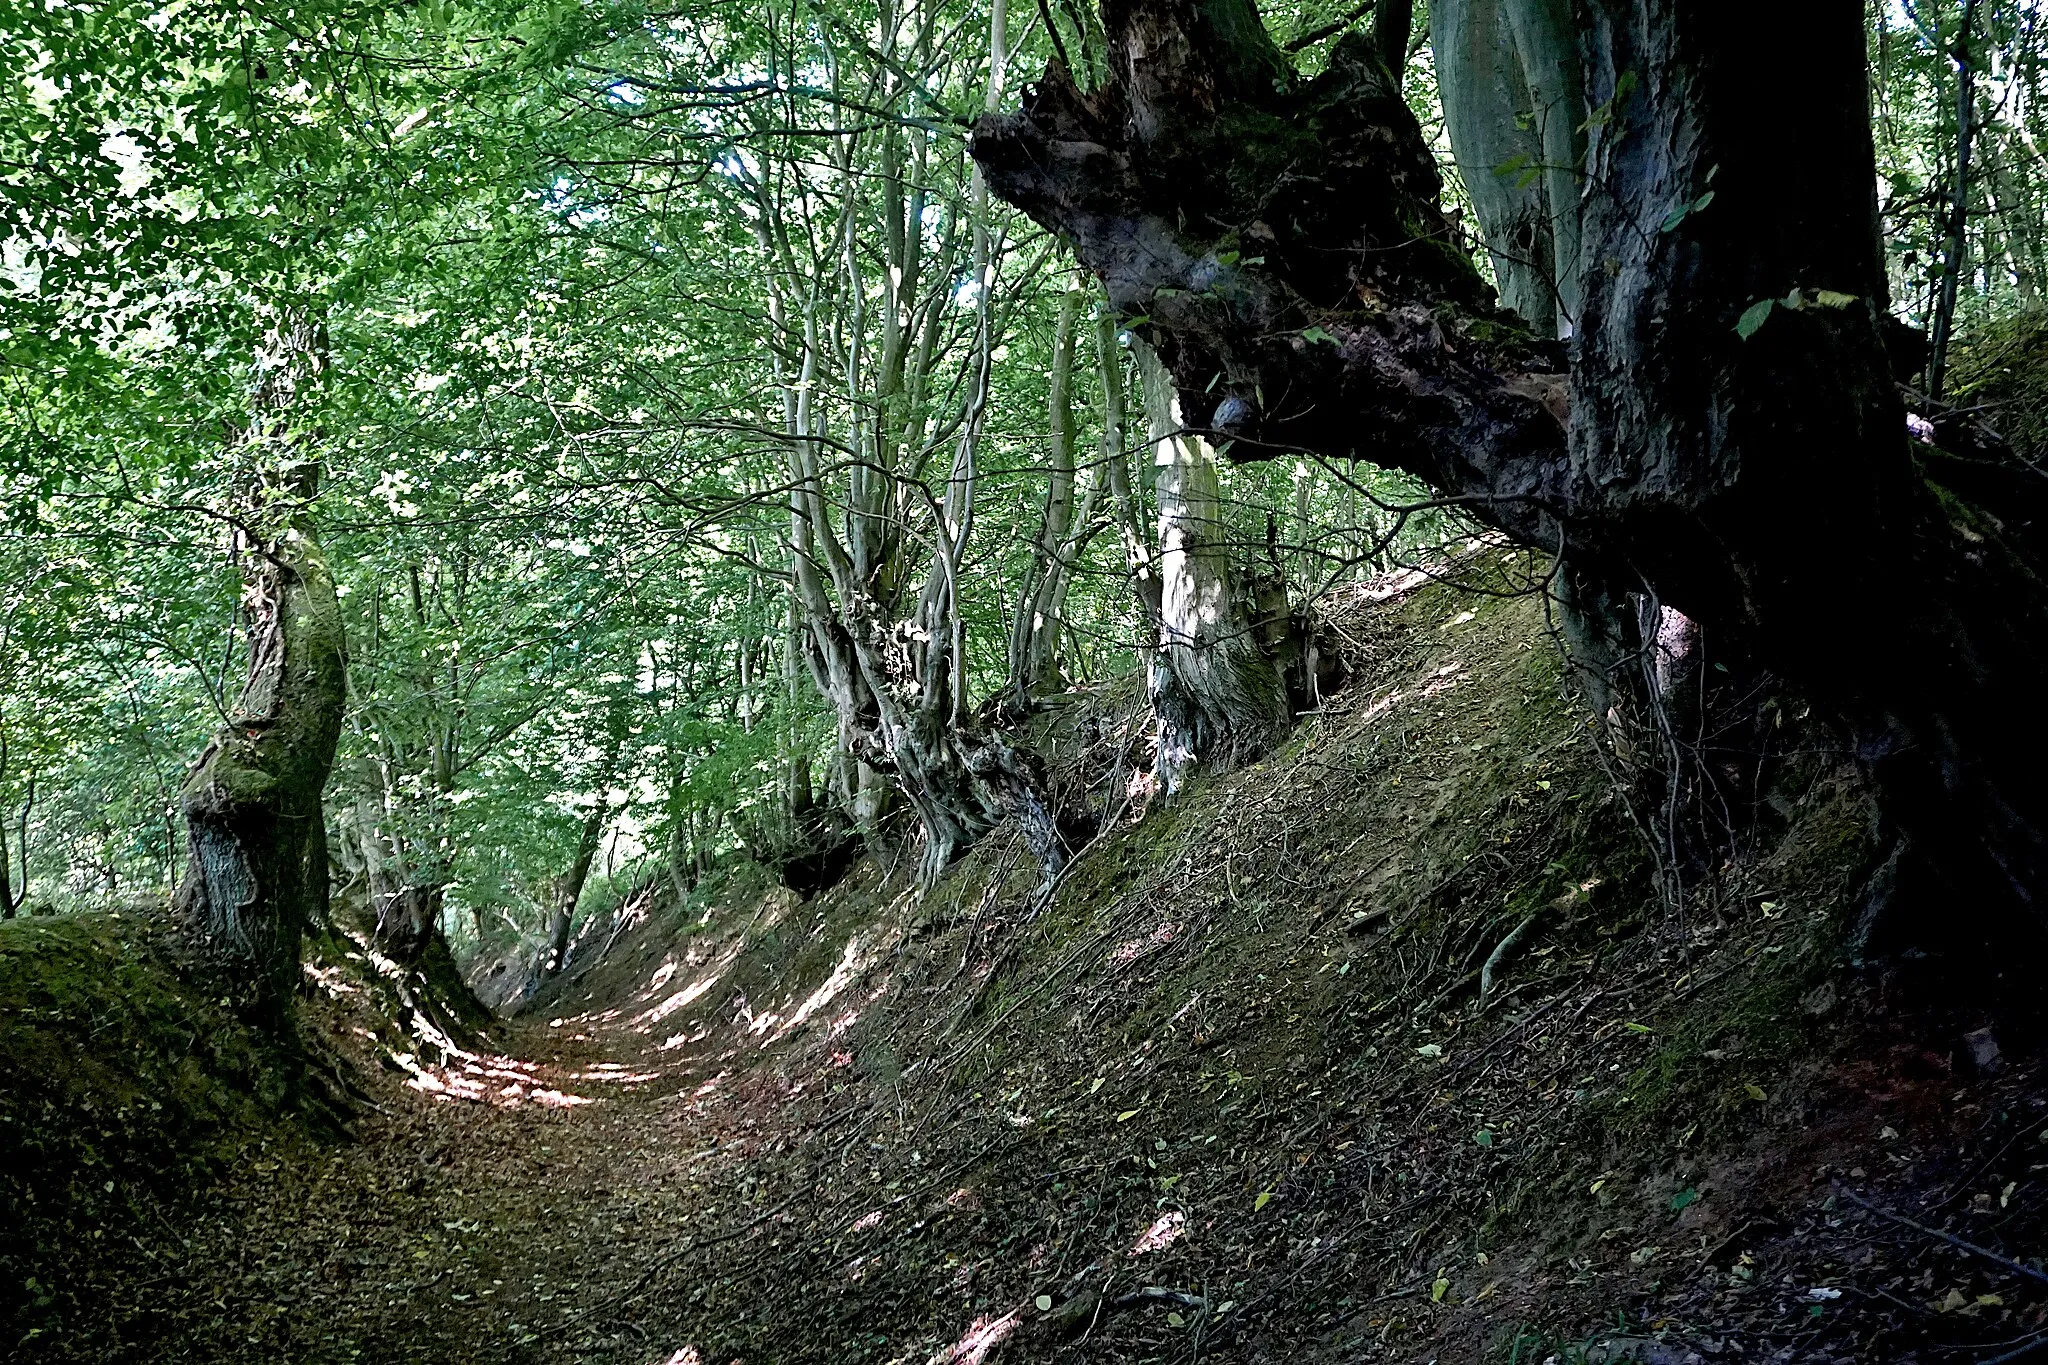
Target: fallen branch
x,y
1499,955
2008,1262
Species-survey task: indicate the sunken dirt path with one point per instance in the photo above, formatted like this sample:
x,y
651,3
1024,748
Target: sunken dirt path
x,y
552,1214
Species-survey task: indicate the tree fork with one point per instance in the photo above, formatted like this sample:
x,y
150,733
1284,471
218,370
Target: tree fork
x,y
1281,242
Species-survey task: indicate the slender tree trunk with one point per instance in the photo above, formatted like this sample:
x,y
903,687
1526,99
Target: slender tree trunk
x,y
1758,478
1140,561
887,653
570,890
1035,631
256,871
1955,249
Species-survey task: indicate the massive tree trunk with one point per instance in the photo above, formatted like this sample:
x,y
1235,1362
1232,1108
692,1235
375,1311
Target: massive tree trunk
x,y
1745,462
257,847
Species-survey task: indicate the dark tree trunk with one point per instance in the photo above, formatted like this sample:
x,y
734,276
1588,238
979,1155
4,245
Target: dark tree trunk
x,y
256,872
12,895
1286,241
570,889
405,900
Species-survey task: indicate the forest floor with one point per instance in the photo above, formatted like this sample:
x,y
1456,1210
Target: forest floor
x,y
1232,1094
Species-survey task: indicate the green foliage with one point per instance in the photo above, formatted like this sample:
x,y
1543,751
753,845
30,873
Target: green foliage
x,y
565,256
1914,88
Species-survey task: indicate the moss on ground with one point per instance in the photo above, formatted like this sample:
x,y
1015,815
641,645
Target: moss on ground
x,y
119,1093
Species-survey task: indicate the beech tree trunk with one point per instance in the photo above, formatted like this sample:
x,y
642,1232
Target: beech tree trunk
x,y
888,652
1508,72
256,871
1285,240
1065,527
1216,693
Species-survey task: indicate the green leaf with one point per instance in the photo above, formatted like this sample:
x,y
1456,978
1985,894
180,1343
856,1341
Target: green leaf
x,y
1829,298
1753,318
1483,1137
1313,334
1265,1198
1439,1289
1512,165
1684,1199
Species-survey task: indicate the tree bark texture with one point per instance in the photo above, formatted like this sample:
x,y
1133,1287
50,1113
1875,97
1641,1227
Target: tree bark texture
x,y
1283,241
1216,692
256,871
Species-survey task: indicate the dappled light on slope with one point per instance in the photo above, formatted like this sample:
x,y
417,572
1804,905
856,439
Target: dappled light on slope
x,y
983,1337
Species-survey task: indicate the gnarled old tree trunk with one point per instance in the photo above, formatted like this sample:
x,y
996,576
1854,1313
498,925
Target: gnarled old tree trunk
x,y
257,847
869,516
1286,240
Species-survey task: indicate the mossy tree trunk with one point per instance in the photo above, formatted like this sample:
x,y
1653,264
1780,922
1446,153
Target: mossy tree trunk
x,y
256,871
